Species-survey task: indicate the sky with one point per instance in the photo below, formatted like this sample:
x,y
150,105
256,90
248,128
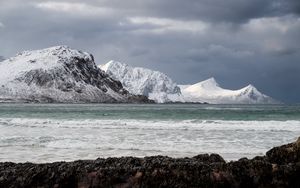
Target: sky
x,y
237,42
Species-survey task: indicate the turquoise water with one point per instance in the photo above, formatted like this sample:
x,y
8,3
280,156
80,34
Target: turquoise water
x,y
55,132
152,111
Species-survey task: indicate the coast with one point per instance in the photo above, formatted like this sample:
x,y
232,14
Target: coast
x,y
280,167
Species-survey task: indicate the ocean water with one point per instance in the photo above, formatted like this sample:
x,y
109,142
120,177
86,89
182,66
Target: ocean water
x,y
66,132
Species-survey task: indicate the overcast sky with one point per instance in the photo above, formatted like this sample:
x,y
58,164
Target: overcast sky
x,y
236,41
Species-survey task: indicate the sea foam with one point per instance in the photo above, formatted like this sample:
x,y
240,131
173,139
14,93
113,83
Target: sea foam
x,y
49,139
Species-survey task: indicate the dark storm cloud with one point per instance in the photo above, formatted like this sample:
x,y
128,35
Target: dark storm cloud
x,y
209,10
236,41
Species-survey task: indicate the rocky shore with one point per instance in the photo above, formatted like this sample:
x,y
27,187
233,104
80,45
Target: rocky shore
x,y
280,167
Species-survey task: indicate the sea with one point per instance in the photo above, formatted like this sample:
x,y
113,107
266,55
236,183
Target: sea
x,y
43,133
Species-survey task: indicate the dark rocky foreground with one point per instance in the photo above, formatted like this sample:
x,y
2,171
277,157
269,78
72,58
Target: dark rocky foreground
x,y
279,168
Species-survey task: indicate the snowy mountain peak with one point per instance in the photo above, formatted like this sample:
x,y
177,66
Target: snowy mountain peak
x,y
210,91
203,86
250,88
251,92
44,59
55,53
209,83
211,80
59,74
141,81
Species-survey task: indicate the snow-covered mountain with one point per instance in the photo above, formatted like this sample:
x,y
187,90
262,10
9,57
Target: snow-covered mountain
x,y
59,74
141,81
210,91
160,88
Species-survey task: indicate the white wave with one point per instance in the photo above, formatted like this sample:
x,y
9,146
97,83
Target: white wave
x,y
46,140
191,124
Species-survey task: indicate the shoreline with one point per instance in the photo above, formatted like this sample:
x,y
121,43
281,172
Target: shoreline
x,y
280,167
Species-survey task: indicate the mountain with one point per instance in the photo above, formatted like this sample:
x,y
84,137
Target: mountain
x,y
141,81
210,91
59,74
160,88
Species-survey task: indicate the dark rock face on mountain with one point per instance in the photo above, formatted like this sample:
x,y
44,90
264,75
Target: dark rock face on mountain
x,y
59,74
280,168
2,58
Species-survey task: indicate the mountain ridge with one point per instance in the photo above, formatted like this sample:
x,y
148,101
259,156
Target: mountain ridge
x,y
210,91
62,74
136,80
59,74
155,85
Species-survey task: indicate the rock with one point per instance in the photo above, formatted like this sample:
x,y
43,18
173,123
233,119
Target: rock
x,y
289,153
212,158
160,171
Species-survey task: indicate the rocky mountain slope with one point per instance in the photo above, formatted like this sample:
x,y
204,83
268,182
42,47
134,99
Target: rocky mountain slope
x,y
210,91
59,74
141,81
2,58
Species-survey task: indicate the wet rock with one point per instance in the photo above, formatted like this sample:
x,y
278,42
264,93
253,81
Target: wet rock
x,y
274,170
289,153
209,158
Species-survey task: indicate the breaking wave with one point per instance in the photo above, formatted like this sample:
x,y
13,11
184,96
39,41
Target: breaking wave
x,y
46,140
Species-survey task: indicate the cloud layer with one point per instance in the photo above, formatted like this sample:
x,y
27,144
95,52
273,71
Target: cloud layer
x,y
236,41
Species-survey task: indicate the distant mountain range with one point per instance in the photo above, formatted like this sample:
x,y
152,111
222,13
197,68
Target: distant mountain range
x,y
62,74
59,74
159,87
